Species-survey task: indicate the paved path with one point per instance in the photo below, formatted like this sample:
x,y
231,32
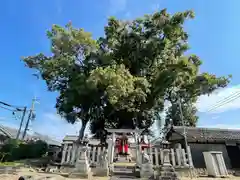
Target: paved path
x,y
123,169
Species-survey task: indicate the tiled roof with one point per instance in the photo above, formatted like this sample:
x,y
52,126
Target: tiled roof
x,y
70,138
47,139
92,140
12,133
203,134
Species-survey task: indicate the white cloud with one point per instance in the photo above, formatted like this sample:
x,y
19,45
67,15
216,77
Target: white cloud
x,y
117,6
221,101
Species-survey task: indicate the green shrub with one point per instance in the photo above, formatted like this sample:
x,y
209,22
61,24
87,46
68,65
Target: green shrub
x,y
17,150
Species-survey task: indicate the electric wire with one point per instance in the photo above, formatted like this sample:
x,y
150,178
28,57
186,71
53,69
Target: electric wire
x,y
224,101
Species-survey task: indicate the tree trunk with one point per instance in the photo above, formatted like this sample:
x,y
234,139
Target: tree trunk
x,y
103,137
81,132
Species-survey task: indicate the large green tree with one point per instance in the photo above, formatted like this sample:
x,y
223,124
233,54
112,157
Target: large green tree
x,y
124,78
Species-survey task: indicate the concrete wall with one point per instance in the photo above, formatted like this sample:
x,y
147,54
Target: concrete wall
x,y
198,149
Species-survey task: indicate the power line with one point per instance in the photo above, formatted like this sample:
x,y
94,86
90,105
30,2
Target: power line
x,y
225,101
8,109
9,105
16,109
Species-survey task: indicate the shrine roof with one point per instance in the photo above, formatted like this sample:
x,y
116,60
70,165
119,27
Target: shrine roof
x,y
204,134
71,138
124,130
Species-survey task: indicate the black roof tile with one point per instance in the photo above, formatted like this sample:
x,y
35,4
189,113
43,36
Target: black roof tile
x,y
204,134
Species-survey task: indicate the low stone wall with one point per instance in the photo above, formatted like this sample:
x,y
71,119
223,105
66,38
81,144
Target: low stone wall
x,y
186,172
196,172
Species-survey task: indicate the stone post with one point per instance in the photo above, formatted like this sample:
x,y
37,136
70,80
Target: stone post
x,y
189,156
64,154
166,159
138,150
82,169
102,168
146,167
74,149
69,154
167,171
110,144
112,150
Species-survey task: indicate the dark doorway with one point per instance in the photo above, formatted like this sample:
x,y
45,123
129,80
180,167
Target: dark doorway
x,y
234,156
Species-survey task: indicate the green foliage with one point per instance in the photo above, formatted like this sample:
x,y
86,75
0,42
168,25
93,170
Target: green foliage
x,y
124,78
16,150
123,90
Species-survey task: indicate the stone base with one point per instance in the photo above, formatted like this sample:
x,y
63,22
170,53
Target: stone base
x,y
146,170
100,172
136,172
167,172
80,175
81,171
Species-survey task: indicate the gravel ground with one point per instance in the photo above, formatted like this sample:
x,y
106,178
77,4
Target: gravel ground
x,y
40,176
207,178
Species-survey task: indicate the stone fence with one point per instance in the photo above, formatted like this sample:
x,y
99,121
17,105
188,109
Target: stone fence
x,y
179,157
71,151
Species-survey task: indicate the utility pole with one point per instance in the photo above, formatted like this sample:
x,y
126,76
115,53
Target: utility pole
x,y
183,124
34,100
184,130
21,123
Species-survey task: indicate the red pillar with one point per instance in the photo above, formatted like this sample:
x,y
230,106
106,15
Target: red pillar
x,y
126,148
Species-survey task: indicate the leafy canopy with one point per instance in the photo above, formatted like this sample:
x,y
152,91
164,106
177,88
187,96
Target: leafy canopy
x,y
123,78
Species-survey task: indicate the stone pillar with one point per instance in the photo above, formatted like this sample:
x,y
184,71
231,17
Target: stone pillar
x,y
111,153
137,169
102,167
166,159
146,167
167,171
64,153
69,150
150,150
113,147
189,156
138,150
82,169
184,158
74,149
110,144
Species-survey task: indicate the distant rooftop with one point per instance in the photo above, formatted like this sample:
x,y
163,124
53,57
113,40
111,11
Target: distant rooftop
x,y
12,133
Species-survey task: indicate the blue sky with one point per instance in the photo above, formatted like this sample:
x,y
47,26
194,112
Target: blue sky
x,y
213,36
